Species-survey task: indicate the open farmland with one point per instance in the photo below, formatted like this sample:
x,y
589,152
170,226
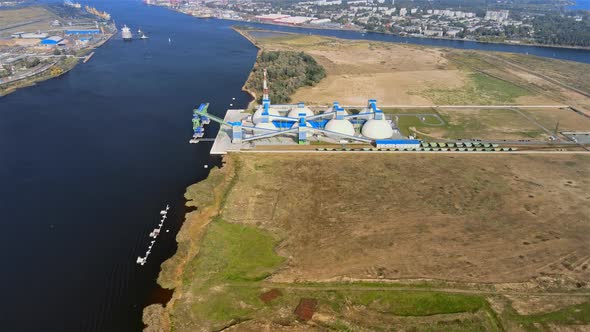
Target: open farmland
x,y
468,218
488,123
450,242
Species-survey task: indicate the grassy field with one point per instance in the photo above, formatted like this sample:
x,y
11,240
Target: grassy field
x,y
226,280
488,221
481,89
466,123
569,72
397,74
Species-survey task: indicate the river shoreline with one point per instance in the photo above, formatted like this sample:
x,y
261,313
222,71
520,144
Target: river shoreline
x,y
422,37
156,317
363,31
32,80
252,94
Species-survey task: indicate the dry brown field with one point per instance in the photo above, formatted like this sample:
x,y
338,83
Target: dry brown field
x,y
39,19
361,70
402,74
485,218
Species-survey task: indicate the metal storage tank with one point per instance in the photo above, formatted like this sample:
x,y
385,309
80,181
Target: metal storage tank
x,y
257,117
340,126
377,129
294,113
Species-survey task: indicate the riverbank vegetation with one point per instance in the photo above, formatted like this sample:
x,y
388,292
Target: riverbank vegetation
x,y
287,71
59,67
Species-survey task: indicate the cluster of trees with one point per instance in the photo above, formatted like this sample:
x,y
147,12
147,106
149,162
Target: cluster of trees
x,y
287,71
30,63
558,30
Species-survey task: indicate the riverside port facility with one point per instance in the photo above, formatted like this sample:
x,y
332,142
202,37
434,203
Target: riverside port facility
x,y
297,127
298,124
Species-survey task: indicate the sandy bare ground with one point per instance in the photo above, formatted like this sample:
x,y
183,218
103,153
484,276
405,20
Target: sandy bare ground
x,y
387,88
360,70
397,74
485,218
37,18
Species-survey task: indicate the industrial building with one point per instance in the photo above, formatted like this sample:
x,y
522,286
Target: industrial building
x,y
29,35
52,41
397,143
299,123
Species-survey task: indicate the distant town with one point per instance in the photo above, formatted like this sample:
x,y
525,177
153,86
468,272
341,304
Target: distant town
x,y
549,23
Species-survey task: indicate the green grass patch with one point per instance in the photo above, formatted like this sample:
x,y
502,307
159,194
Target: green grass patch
x,y
482,89
235,252
406,122
408,303
572,315
230,253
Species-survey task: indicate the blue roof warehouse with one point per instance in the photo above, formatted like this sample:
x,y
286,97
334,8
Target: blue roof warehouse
x,y
53,40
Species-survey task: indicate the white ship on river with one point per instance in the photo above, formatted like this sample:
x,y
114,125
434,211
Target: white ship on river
x,y
126,33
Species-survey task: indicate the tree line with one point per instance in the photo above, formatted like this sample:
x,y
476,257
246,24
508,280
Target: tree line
x,y
287,71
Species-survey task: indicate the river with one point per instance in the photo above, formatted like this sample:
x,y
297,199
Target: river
x,y
561,53
88,159
581,5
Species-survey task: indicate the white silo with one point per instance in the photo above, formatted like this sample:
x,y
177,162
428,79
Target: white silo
x,y
257,117
377,129
340,126
294,113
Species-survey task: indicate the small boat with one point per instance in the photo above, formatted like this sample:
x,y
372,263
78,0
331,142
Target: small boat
x,y
163,212
141,260
143,36
138,30
169,40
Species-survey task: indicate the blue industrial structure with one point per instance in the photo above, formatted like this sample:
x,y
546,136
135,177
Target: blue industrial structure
x,y
397,143
53,40
279,120
271,123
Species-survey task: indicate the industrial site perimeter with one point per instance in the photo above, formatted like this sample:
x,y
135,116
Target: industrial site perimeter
x,y
345,241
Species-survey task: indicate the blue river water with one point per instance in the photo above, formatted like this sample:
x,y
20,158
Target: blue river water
x,y
88,159
571,54
581,5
